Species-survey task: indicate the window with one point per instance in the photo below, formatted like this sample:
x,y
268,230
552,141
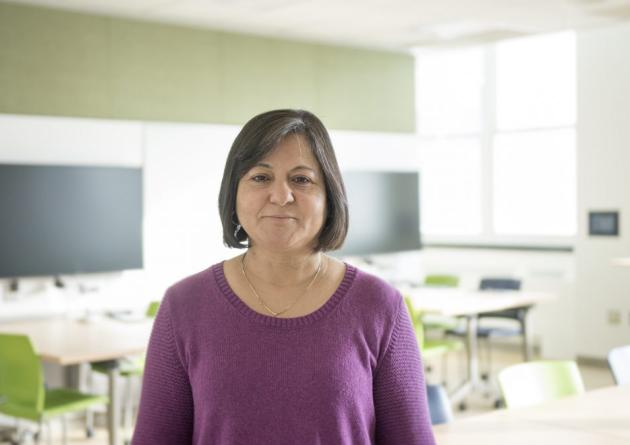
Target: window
x,y
534,177
451,189
496,126
449,97
536,82
449,92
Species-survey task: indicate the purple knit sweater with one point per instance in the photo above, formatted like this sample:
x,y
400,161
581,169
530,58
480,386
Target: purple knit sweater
x,y
218,372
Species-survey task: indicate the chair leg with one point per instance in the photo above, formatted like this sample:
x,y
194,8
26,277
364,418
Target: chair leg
x,y
128,408
444,369
89,423
64,430
489,343
49,435
19,434
22,437
527,353
89,413
485,373
36,437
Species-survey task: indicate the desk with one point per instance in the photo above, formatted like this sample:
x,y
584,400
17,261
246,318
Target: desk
x,y
469,304
71,342
596,417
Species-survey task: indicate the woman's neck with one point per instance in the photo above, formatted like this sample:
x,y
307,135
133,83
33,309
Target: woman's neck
x,y
282,269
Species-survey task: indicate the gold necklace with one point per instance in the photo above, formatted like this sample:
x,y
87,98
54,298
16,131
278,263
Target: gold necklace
x,y
273,313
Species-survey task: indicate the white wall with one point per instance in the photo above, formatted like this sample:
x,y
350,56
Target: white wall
x,y
603,184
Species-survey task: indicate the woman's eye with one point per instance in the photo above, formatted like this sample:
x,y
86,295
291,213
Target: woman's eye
x,y
259,178
302,179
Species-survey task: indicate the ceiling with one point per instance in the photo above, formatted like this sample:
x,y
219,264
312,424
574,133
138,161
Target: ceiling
x,y
391,24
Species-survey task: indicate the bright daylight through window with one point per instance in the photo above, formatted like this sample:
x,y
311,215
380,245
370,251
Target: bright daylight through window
x,y
496,126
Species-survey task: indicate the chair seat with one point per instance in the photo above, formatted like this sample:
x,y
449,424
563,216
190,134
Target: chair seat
x,y
60,401
56,402
487,332
126,367
438,322
438,347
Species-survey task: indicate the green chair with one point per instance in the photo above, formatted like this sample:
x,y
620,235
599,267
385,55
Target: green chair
x,y
22,391
429,347
152,309
533,383
441,280
435,322
129,368
438,323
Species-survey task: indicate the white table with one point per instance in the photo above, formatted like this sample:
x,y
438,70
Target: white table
x,y
70,342
625,262
594,418
469,304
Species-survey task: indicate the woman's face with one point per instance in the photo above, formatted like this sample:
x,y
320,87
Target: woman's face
x,y
281,201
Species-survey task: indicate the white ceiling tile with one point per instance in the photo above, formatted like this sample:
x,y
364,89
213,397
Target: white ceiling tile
x,y
392,24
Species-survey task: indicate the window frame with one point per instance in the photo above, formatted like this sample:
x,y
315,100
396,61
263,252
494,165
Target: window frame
x,y
488,238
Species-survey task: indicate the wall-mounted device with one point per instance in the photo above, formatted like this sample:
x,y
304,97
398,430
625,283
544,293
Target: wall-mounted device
x,y
384,212
57,220
603,223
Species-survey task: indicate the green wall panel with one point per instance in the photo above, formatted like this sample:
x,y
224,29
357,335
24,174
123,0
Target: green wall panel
x,y
164,73
55,62
263,74
355,87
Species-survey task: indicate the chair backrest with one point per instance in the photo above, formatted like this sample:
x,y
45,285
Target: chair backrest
x,y
532,383
499,284
441,280
21,377
503,284
416,322
152,309
439,405
619,362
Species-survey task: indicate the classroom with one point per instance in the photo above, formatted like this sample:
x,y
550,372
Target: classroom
x,y
484,150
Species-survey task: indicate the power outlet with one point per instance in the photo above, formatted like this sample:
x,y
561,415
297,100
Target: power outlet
x,y
614,316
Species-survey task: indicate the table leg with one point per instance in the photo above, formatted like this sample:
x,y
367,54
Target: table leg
x,y
469,385
527,351
473,350
113,411
72,376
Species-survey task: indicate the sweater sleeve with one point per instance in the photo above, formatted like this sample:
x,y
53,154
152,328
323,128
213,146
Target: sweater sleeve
x,y
166,406
402,413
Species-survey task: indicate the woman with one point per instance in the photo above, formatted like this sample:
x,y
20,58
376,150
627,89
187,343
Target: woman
x,y
283,344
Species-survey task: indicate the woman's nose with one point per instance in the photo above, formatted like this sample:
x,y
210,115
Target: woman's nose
x,y
281,193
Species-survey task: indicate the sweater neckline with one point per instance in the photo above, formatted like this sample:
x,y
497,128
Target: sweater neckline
x,y
322,311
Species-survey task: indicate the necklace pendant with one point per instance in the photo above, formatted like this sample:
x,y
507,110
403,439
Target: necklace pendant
x,y
260,300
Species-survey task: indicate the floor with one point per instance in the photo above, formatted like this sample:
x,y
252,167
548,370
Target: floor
x,y
595,376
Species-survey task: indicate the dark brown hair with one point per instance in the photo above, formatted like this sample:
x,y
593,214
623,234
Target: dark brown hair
x,y
255,141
